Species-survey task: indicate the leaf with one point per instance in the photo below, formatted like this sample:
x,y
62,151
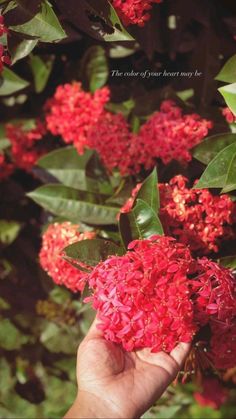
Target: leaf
x,y
9,231
98,19
211,146
44,26
20,49
228,262
221,171
56,339
149,192
41,71
10,336
95,67
229,94
11,83
74,205
140,223
91,252
228,72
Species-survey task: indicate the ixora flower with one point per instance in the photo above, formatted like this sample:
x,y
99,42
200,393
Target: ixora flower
x,y
55,239
4,56
169,135
71,112
223,344
143,297
229,115
25,148
193,216
134,11
213,394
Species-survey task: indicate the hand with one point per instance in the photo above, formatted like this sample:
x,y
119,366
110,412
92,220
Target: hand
x,y
114,383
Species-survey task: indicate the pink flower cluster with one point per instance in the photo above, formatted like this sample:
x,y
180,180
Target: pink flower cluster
x,y
134,12
143,298
213,394
80,118
26,145
4,56
194,216
54,240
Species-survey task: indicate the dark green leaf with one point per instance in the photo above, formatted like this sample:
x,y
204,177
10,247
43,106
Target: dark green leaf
x,y
41,70
74,205
124,107
211,146
228,262
228,72
95,67
91,252
9,231
10,337
149,192
140,223
229,94
44,26
11,83
21,49
221,171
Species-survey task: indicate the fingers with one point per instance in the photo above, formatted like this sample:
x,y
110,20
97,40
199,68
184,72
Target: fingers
x,y
94,332
180,353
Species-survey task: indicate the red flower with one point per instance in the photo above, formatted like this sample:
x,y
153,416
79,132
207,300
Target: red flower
x,y
194,216
229,115
142,298
6,169
213,394
168,135
214,293
25,151
3,28
72,112
134,11
55,239
4,56
223,345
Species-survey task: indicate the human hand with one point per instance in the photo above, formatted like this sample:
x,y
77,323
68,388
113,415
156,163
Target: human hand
x,y
114,383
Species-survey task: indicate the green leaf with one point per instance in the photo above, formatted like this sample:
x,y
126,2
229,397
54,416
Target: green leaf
x,y
221,171
44,26
91,252
4,305
56,339
228,72
228,262
229,94
11,83
22,49
10,336
9,231
120,33
95,67
140,223
149,192
124,107
74,205
41,71
211,146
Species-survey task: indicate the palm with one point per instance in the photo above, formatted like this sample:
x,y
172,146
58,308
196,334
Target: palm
x,y
133,380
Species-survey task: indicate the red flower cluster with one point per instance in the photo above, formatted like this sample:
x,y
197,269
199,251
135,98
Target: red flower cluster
x,y
229,116
223,344
143,297
169,135
72,112
55,239
134,12
4,56
25,144
194,216
6,168
213,394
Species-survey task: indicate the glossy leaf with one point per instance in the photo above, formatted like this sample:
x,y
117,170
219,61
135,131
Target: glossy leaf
x,y
21,49
41,70
11,83
228,262
44,26
140,223
229,94
211,146
74,205
95,67
228,72
221,171
91,252
149,192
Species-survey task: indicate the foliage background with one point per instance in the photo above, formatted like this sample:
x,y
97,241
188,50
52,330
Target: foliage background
x,y
42,324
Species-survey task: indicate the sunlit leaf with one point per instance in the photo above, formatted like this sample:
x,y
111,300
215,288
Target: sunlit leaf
x,y
11,83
